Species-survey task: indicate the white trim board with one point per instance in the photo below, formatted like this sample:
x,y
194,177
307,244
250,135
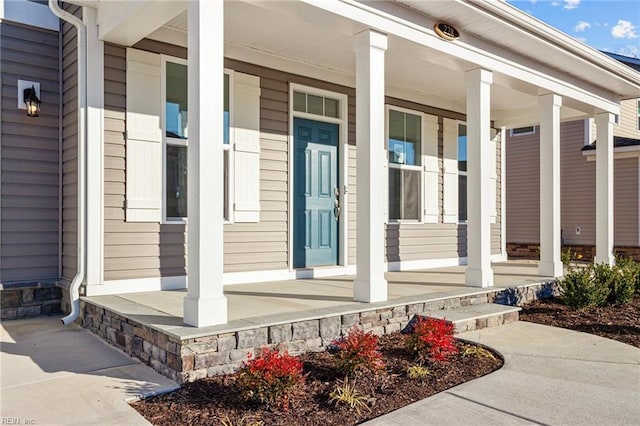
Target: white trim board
x,y
137,285
343,165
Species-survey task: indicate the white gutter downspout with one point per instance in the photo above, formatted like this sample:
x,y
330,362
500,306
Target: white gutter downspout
x,y
74,293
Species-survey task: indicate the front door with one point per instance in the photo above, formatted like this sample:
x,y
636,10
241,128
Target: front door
x,y
315,189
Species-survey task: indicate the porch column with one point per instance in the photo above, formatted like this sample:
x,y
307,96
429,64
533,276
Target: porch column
x,y
370,284
479,164
550,244
604,188
205,303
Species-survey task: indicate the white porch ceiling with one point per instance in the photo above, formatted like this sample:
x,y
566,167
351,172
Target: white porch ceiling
x,y
312,40
299,33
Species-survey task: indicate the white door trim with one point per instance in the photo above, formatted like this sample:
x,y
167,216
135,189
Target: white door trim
x,y
343,165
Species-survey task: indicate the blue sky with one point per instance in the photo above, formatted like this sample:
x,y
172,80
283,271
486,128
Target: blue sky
x,y
611,25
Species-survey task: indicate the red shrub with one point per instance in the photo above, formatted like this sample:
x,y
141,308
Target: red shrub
x,y
432,338
270,378
358,351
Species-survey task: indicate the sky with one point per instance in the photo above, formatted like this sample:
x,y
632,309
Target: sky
x,y
609,25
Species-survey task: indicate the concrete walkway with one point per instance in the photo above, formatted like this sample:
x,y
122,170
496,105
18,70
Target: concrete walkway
x,y
55,375
551,376
63,375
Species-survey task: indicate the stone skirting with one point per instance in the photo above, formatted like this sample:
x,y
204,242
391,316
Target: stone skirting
x,y
531,251
186,360
26,300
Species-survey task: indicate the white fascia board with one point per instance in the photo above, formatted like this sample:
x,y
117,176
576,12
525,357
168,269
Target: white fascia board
x,y
531,117
387,23
29,13
556,37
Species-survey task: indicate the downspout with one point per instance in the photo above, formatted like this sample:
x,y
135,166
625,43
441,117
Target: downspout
x,y
60,146
74,288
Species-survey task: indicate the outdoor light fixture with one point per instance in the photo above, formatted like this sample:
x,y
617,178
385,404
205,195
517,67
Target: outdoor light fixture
x,y
31,102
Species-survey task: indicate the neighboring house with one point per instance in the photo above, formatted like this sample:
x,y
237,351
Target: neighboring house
x,y
300,139
578,141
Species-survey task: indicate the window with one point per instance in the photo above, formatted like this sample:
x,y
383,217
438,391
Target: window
x,y
520,131
176,136
462,173
314,104
176,121
405,171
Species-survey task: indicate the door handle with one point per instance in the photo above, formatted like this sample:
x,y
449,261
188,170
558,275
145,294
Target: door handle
x,y
336,203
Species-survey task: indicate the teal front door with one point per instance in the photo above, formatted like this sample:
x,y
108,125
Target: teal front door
x,y
315,188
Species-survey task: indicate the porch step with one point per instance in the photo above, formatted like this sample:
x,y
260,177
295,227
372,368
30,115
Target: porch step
x,y
474,317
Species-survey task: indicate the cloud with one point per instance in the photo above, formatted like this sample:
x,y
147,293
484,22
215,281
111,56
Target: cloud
x,y
624,29
555,3
582,25
571,4
630,50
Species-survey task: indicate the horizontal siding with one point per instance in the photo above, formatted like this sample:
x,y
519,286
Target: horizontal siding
x,y
628,126
69,146
137,250
625,202
578,186
578,199
132,250
523,188
29,152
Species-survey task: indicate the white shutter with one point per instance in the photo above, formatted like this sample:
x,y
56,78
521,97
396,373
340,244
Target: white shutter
x,y
143,137
450,142
493,175
246,135
430,144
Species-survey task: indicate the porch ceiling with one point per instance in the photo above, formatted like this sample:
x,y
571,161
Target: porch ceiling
x,y
320,42
312,38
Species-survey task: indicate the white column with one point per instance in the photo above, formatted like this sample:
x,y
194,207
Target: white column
x,y
479,166
550,243
372,177
604,188
95,153
205,303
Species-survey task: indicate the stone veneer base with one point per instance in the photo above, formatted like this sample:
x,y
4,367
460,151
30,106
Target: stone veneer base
x,y
186,360
25,300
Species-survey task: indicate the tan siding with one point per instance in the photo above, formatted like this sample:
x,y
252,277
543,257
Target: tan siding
x,y
522,188
628,126
578,177
69,146
29,157
135,250
625,202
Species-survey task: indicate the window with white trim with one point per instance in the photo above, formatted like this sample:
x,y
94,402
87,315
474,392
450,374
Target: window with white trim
x,y
462,173
521,131
405,165
176,133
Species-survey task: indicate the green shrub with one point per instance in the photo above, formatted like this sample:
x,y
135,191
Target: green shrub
x,y
581,288
624,282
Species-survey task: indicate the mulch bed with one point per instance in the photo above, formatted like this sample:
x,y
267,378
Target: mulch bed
x,y
216,400
619,322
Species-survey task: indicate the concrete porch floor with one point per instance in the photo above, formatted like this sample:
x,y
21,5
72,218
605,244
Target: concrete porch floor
x,y
262,304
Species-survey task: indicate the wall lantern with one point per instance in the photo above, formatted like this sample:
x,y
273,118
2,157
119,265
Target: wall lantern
x,y
31,102
29,97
